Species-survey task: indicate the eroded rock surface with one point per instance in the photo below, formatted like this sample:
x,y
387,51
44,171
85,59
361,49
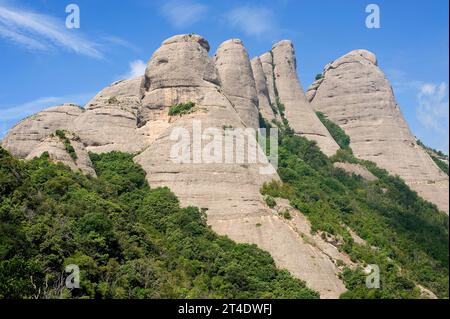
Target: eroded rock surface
x,y
299,113
28,133
236,77
355,94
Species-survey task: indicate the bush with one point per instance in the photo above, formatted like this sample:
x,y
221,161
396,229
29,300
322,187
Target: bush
x,y
270,201
181,108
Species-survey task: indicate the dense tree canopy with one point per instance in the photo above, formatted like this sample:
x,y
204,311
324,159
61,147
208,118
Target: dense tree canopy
x,y
129,240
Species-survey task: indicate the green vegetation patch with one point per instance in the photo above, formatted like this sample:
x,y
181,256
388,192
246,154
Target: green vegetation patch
x,y
67,145
181,108
338,134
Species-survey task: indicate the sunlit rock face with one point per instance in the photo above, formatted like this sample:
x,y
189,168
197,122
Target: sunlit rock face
x,y
289,91
355,93
28,133
236,77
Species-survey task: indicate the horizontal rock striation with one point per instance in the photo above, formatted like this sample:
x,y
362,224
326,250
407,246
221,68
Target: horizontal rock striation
x,y
355,94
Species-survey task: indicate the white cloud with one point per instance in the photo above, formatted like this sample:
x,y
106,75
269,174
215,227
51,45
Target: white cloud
x,y
137,68
433,108
181,14
41,32
253,21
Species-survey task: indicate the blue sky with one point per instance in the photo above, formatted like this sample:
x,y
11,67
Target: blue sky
x,y
42,63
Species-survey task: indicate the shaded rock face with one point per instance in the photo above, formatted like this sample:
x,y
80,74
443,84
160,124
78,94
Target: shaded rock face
x,y
54,146
355,94
28,133
264,103
238,84
267,65
299,113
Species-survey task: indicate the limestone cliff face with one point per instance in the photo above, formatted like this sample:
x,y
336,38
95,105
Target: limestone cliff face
x,y
299,113
236,77
356,94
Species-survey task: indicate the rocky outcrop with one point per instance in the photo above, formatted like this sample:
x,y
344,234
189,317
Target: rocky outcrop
x,y
267,65
238,84
228,192
355,94
124,95
111,120
28,133
133,116
298,112
56,149
264,104
179,71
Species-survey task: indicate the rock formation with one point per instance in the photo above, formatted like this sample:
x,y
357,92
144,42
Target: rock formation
x,y
54,146
227,92
355,94
289,91
28,133
111,119
236,77
264,104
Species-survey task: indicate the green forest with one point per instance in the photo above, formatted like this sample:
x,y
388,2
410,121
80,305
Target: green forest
x,y
128,239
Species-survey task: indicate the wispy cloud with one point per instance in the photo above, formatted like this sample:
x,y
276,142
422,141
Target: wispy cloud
x,y
136,68
36,31
9,115
182,14
433,107
253,21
